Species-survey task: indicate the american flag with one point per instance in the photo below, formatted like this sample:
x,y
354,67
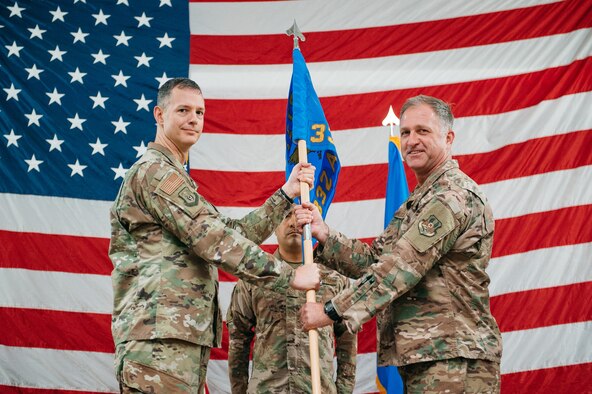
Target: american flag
x,y
78,82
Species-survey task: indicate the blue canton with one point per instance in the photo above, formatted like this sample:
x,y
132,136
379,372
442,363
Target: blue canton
x,y
78,82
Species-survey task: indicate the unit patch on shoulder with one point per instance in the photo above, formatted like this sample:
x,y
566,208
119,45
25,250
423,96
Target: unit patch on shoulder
x,y
189,196
435,221
171,183
429,226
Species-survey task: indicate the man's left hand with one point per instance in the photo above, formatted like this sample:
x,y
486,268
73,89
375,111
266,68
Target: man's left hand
x,y
312,315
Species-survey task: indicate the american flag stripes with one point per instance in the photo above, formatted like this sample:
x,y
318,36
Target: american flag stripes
x,y
518,73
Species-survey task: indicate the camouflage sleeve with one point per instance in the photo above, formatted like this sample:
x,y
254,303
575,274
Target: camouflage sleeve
x,y
260,223
427,240
346,349
241,320
350,257
180,210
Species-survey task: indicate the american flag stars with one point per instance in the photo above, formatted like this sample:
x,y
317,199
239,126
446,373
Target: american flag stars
x,y
78,85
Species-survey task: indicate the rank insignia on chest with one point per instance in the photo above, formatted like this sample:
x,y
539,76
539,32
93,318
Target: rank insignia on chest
x,y
429,226
189,196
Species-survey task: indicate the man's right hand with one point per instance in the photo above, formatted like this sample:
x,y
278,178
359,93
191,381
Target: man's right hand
x,y
309,213
306,277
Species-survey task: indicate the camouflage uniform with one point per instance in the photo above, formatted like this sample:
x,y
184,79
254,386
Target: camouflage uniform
x,y
424,275
167,242
281,359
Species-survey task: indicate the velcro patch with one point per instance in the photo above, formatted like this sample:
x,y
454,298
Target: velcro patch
x,y
435,222
171,183
189,196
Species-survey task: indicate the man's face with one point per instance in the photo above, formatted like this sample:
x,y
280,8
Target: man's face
x,y
423,144
182,118
287,233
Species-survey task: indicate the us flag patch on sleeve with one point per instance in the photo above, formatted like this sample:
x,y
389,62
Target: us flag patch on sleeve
x,y
171,183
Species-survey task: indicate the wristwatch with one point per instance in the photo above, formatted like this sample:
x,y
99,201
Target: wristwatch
x,y
331,312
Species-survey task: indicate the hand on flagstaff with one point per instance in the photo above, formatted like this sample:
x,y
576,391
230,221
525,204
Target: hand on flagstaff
x,y
309,213
306,277
312,315
302,172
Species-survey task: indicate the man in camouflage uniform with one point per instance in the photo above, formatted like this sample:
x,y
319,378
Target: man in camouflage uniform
x,y
425,274
281,359
167,243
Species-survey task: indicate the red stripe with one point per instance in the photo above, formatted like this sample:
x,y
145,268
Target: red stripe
x,y
56,330
30,390
537,156
542,307
367,337
567,226
568,379
91,332
418,37
47,252
484,97
553,228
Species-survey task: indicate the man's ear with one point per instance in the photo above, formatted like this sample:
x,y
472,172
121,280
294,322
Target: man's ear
x,y
449,137
158,114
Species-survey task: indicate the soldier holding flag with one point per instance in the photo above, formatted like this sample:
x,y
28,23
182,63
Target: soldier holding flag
x,y
425,274
167,243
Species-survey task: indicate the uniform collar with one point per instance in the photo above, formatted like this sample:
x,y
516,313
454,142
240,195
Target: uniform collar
x,y
293,264
168,154
422,189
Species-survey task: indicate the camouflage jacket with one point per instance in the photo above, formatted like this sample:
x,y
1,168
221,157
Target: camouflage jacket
x,y
281,360
167,242
425,274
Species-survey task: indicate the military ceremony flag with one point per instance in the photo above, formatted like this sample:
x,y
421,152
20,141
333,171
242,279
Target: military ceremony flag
x,y
397,190
305,120
388,378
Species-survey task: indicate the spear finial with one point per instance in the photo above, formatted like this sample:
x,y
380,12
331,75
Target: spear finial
x,y
295,31
391,119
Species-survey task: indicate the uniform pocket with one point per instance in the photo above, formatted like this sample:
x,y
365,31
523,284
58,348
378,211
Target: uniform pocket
x,y
150,380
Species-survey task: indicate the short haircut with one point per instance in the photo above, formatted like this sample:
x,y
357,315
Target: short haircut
x,y
440,108
164,92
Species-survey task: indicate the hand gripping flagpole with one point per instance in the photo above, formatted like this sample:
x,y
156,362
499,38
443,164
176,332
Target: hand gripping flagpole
x,y
313,335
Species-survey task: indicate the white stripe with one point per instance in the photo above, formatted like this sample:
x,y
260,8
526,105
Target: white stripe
x,y
276,17
218,382
476,134
366,373
356,219
479,134
22,288
511,198
224,296
547,347
550,267
397,72
57,369
540,193
524,350
54,215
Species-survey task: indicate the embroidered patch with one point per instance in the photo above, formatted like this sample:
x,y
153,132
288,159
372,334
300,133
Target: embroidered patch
x,y
435,222
429,226
171,184
189,196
